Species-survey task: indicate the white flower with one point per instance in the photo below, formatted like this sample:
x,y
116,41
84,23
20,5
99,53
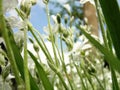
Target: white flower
x,y
84,1
15,22
9,4
67,7
54,18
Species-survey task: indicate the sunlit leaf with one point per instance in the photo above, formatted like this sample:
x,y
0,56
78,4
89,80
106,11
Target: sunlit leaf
x,y
42,74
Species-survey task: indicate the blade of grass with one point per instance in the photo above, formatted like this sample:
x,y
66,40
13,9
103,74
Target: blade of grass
x,y
110,58
111,13
19,62
114,80
11,56
26,71
56,70
80,75
42,74
102,88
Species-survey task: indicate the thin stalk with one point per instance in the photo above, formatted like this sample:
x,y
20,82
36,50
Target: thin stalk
x,y
81,78
51,35
114,80
61,47
103,73
59,75
88,77
48,56
26,72
32,29
101,23
50,61
63,63
102,88
39,57
45,47
11,56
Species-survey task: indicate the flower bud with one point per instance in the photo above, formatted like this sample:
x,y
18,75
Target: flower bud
x,y
26,6
65,19
71,20
68,8
45,1
65,33
58,18
36,47
30,39
33,2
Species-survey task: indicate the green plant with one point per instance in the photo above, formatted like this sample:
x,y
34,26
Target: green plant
x,y
71,64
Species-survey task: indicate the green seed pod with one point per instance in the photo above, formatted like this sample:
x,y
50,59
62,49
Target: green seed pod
x,y
45,1
36,47
65,33
2,59
58,18
71,20
65,19
30,39
26,7
33,2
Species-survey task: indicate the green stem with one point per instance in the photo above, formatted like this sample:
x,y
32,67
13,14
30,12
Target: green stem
x,y
45,47
81,78
51,35
63,63
26,72
102,88
59,75
103,73
11,56
40,61
101,23
87,76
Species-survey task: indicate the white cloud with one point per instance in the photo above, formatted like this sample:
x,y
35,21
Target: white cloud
x,y
61,1
84,1
40,3
42,55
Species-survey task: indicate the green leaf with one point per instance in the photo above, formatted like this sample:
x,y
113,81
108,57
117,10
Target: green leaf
x,y
110,58
114,80
42,74
19,61
112,17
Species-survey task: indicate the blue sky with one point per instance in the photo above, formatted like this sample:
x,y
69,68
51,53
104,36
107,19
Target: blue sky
x,y
38,15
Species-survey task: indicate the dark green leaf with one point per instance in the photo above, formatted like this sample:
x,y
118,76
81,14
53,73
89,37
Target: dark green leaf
x,y
112,17
42,74
19,61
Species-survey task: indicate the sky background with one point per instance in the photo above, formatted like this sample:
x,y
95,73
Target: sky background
x,y
38,15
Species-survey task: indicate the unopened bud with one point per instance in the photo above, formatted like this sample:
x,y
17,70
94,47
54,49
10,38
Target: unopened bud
x,y
36,47
65,19
71,20
30,39
33,2
58,18
65,33
45,1
26,6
